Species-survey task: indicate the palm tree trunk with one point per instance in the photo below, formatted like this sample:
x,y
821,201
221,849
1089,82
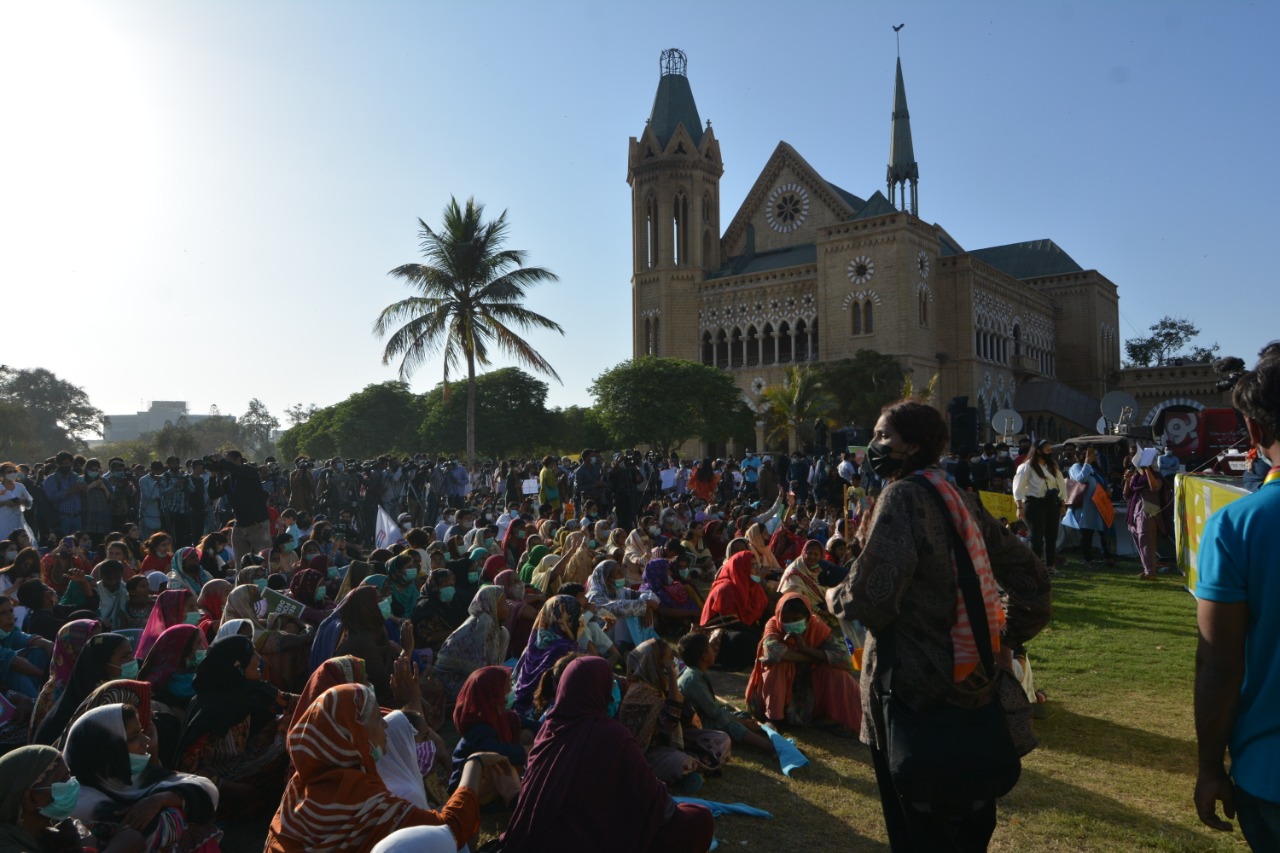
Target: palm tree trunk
x,y
471,409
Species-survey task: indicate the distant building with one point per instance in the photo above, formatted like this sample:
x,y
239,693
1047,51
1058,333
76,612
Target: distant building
x,y
809,272
128,427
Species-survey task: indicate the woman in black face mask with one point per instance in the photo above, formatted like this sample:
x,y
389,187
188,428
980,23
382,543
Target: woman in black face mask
x,y
1039,488
931,652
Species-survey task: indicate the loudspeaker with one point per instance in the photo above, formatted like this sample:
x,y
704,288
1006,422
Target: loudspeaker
x,y
964,427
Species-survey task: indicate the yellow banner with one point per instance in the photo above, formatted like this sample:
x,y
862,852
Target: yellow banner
x,y
1000,505
1195,500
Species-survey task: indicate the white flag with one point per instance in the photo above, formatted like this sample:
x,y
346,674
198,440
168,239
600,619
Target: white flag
x,y
387,532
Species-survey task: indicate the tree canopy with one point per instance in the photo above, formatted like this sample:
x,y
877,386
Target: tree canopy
x,y
1166,344
511,416
378,419
51,415
861,386
662,402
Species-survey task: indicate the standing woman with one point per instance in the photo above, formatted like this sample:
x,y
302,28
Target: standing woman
x,y
904,589
1087,519
1039,488
1142,490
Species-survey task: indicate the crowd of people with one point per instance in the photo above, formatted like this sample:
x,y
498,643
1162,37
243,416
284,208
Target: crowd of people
x,y
186,645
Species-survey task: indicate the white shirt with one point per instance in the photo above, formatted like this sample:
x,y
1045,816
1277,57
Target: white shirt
x,y
12,502
846,470
1028,484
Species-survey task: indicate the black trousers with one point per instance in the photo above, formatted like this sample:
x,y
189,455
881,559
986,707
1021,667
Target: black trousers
x,y
1043,516
939,830
1086,544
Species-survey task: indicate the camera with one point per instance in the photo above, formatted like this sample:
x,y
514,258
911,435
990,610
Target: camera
x,y
1231,369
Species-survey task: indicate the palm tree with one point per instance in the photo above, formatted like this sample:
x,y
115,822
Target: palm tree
x,y
470,291
798,400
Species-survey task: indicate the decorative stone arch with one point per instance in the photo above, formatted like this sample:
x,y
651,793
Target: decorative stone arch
x,y
859,296
1155,412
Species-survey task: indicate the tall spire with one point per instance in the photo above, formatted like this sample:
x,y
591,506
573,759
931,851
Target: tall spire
x,y
673,104
902,159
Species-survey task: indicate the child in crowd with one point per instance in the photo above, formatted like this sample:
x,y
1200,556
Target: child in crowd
x,y
698,653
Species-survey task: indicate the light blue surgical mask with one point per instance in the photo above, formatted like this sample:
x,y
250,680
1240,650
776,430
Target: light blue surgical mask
x,y
474,577
447,594
796,627
200,655
615,700
4,635
755,579
192,618
332,571
138,763
511,700
65,796
619,583
129,670
384,607
377,753
410,574
181,684
260,583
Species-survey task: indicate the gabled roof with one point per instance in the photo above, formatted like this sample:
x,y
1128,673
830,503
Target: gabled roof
x,y
673,105
1032,259
877,205
1061,401
792,256
852,200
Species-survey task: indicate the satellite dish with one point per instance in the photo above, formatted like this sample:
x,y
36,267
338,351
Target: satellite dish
x,y
1006,422
1102,426
1114,407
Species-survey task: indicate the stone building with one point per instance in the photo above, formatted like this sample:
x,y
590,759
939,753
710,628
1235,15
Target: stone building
x,y
807,271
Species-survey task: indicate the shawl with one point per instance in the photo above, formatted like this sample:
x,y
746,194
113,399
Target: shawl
x,y
403,591
637,551
514,541
399,765
356,572
327,635
97,753
224,697
377,581
785,545
493,565
335,785
20,770
554,633
815,634
713,540
646,696
169,610
242,603
531,561
964,648
430,608
760,545
113,607
170,653
483,699
799,578
303,586
67,644
657,579
88,673
734,592
233,627
118,692
542,578
178,574
364,634
479,641
346,669
213,597
586,779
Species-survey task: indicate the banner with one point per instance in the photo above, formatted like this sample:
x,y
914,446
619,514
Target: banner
x,y
1000,505
1195,499
668,478
277,603
529,486
387,532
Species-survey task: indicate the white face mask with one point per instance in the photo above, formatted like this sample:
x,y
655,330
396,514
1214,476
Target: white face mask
x,y
12,476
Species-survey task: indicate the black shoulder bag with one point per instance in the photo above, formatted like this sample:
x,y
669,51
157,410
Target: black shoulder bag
x,y
949,755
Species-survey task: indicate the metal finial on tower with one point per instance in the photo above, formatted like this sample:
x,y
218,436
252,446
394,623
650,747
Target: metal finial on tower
x,y
673,61
898,39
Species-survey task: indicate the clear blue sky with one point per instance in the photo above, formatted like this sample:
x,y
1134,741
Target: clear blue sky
x,y
201,200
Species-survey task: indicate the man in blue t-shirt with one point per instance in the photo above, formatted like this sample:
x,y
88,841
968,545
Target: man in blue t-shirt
x,y
1237,688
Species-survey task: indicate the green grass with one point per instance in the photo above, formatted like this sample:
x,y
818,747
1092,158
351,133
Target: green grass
x,y
1116,762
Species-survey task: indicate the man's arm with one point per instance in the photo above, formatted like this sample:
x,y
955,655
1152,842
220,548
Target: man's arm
x,y
1219,674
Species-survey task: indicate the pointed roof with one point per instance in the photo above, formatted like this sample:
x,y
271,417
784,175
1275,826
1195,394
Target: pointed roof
x,y
1032,259
877,205
673,105
902,157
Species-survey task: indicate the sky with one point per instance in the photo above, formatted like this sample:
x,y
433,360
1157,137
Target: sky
x,y
201,200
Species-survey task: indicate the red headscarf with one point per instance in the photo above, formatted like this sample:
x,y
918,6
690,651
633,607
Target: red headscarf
x,y
586,779
169,610
508,539
713,539
494,565
815,634
735,592
303,586
346,669
483,699
168,654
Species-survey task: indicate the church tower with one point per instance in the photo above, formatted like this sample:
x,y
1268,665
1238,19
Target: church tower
x,y
674,170
902,157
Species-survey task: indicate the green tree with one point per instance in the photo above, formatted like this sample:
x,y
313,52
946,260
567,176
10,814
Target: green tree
x,y
175,439
861,386
511,415
378,419
1169,337
299,413
663,402
799,400
18,438
574,428
256,425
469,299
61,415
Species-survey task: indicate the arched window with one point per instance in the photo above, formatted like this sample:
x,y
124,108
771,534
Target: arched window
x,y
784,343
868,319
802,341
769,345
651,233
680,230
1017,340
753,347
708,351
855,310
646,341
977,343
813,340
657,338
735,348
924,309
722,349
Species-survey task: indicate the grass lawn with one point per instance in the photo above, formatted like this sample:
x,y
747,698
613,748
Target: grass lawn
x,y
1116,763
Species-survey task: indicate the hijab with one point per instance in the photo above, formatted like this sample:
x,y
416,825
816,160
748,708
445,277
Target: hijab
x,y
346,669
399,766
224,697
232,628
815,634
531,561
21,770
658,580
735,592
303,586
483,700
70,639
118,692
89,672
170,609
586,779
113,607
213,598
177,572
169,655
493,565
554,633
759,540
480,640
242,604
